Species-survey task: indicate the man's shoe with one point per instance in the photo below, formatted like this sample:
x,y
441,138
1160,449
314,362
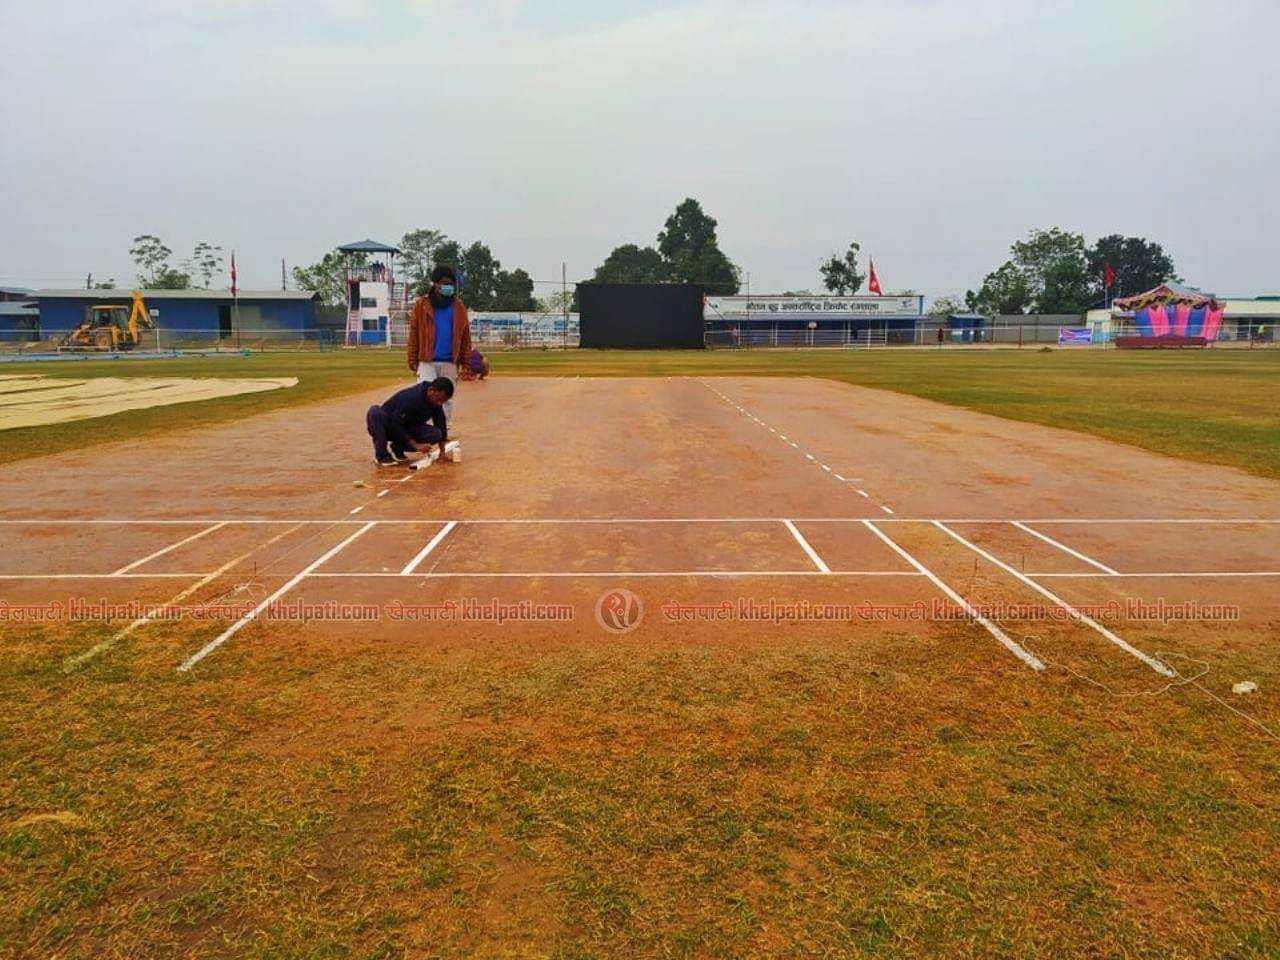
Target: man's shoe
x,y
397,455
385,460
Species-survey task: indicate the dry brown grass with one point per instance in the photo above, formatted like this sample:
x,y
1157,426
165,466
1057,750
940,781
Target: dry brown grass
x,y
797,792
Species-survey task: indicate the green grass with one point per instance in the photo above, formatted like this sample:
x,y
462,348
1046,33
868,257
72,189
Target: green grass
x,y
1215,407
884,798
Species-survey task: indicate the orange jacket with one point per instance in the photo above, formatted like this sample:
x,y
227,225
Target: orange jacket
x,y
422,332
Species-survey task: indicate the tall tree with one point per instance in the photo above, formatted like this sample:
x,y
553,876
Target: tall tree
x,y
169,279
1045,274
840,274
632,264
1004,290
151,256
945,306
480,271
1053,262
1139,265
692,253
513,290
205,262
328,276
417,254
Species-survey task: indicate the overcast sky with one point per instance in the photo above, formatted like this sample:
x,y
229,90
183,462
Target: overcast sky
x,y
935,132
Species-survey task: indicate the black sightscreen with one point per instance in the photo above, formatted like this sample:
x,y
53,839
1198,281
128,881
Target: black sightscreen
x,y
647,316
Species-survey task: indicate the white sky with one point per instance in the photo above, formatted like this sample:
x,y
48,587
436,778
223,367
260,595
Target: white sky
x,y
935,132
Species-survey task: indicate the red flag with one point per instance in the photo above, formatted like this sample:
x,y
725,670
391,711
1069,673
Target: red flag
x,y
1108,278
234,291
874,283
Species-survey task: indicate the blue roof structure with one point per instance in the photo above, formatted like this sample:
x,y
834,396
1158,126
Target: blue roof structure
x,y
367,246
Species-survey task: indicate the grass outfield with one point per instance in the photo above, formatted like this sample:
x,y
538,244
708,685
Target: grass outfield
x,y
812,797
1215,407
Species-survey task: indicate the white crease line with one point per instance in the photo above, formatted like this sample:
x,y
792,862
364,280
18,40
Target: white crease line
x,y
1165,574
1084,618
1065,549
431,545
329,521
804,544
563,574
178,598
1017,649
173,546
98,576
249,617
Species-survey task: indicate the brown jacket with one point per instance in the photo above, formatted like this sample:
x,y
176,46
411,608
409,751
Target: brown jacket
x,y
422,332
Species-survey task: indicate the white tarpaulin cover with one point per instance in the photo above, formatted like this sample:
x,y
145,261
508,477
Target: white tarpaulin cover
x,y
32,401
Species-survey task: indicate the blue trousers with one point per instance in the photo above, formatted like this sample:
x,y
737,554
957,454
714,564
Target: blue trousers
x,y
377,423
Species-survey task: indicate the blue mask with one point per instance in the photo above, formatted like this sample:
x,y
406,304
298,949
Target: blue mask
x,y
446,290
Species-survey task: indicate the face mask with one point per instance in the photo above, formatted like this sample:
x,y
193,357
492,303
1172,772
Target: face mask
x,y
446,290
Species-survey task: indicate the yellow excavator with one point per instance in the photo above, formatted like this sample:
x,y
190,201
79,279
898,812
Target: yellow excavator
x,y
110,327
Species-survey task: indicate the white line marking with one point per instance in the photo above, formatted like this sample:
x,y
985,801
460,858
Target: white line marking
x,y
1019,651
783,436
383,493
328,521
796,445
252,615
887,510
1133,651
98,576
1188,573
811,457
431,545
804,544
352,513
568,574
1065,549
863,493
173,546
178,598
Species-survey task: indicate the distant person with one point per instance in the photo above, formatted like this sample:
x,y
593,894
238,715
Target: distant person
x,y
477,366
439,331
413,419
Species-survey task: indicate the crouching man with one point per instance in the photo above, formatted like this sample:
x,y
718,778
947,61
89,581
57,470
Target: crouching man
x,y
413,419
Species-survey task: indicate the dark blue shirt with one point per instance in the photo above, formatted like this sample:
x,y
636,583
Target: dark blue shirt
x,y
411,408
443,352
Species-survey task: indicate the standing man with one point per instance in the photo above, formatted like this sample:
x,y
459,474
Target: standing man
x,y
439,332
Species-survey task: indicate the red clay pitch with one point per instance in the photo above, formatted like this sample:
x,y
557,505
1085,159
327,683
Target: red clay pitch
x,y
732,509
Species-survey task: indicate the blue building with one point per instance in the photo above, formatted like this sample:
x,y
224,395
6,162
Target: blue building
x,y
204,313
19,317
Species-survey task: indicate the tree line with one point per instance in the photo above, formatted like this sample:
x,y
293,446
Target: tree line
x,y
1053,271
486,285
